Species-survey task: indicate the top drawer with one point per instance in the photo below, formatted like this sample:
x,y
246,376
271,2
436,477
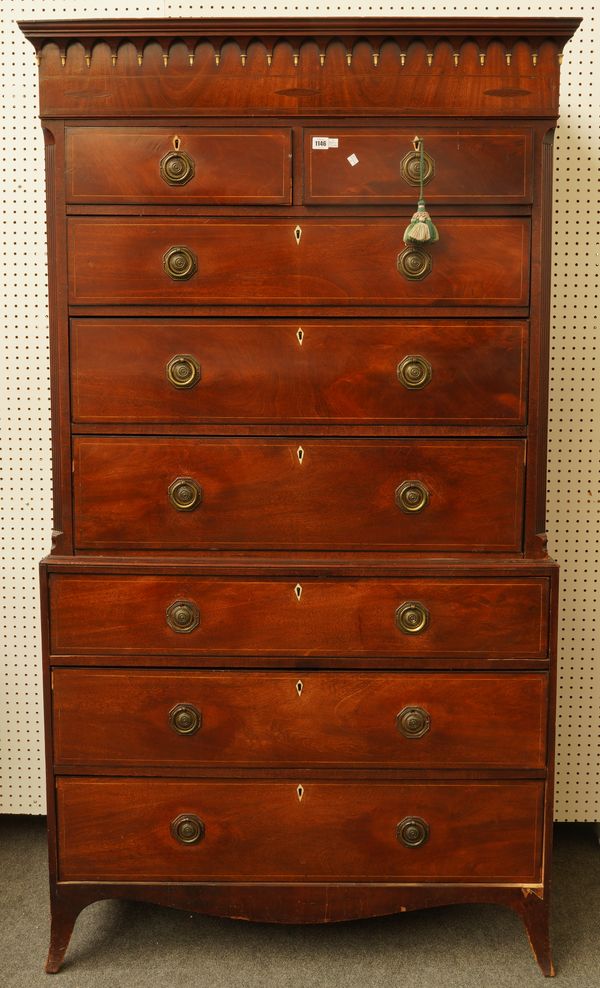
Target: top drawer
x,y
377,165
160,165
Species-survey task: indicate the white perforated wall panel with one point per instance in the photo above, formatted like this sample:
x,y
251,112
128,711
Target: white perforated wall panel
x,y
574,439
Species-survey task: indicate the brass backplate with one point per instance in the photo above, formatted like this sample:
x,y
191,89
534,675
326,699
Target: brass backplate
x,y
410,168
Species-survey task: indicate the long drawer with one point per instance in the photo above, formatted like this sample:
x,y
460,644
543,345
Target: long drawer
x,y
377,165
478,261
134,830
139,718
221,165
186,494
417,617
409,371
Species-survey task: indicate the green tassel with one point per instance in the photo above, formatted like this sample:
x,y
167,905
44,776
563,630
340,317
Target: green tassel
x,y
421,228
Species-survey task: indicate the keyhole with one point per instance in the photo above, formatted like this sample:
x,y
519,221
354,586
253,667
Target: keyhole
x,y
298,591
300,791
298,234
300,336
176,143
300,454
299,687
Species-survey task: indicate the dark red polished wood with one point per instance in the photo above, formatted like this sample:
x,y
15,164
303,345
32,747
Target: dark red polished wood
x,y
282,719
320,66
278,608
468,165
300,493
478,832
229,165
478,261
325,617
299,371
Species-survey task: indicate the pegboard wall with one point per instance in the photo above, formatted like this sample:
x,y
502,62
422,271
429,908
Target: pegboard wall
x,y
574,437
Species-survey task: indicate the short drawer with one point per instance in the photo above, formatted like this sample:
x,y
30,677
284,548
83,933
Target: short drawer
x,y
314,261
186,615
409,371
272,494
134,830
177,164
378,165
140,718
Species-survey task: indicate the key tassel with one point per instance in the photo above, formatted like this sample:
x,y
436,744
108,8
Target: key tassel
x,y
421,228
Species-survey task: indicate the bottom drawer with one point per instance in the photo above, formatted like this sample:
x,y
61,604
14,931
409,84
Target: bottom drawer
x,y
135,830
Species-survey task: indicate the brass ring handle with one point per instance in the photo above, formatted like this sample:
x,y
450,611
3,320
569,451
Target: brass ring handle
x,y
414,263
413,722
185,494
185,718
180,263
183,616
412,497
187,828
412,617
177,168
183,371
413,831
414,372
410,168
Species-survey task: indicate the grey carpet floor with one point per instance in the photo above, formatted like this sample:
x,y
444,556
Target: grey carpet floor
x,y
134,945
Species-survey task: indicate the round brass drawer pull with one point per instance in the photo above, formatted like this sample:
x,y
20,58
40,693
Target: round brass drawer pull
x,y
185,494
410,168
180,263
413,722
414,372
412,617
413,831
412,496
183,371
414,263
183,616
177,168
185,718
187,828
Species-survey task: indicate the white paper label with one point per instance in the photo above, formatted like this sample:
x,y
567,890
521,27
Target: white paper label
x,y
323,143
353,159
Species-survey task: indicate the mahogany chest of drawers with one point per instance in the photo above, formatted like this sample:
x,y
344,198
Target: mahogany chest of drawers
x,y
299,619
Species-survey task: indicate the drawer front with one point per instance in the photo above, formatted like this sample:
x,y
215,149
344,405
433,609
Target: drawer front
x,y
486,618
135,718
123,830
478,261
273,494
466,166
408,371
212,165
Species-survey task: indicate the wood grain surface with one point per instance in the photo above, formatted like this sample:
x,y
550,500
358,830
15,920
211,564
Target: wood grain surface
x,y
298,431
119,829
305,371
493,165
478,261
231,165
300,493
120,719
484,618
